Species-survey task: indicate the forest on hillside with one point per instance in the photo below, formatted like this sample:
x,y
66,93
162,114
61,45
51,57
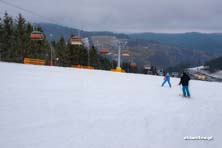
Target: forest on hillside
x,y
214,64
16,44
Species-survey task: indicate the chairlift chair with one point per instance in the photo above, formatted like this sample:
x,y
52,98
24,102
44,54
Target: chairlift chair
x,y
125,54
104,51
133,65
37,35
76,41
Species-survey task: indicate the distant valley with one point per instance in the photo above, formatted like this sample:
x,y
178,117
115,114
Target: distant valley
x,y
161,50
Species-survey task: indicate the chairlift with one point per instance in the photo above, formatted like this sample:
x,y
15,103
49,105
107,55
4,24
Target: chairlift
x,y
133,65
147,67
37,35
125,54
104,51
76,41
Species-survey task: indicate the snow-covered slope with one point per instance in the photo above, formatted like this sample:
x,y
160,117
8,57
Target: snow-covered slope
x,y
52,107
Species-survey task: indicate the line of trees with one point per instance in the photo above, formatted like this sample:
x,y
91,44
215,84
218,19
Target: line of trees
x,y
16,44
214,64
78,55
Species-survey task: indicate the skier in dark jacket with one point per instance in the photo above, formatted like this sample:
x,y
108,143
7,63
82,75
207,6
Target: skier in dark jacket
x,y
184,80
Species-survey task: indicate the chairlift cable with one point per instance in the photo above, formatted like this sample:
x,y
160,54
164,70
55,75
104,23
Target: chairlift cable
x,y
42,16
28,11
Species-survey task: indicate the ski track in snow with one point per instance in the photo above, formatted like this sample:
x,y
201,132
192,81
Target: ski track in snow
x,y
54,107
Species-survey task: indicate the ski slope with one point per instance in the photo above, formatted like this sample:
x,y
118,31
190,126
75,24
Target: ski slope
x,y
54,107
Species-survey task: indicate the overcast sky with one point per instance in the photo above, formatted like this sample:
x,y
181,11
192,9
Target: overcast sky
x,y
125,15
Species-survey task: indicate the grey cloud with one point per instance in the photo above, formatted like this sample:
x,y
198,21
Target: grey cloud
x,y
128,16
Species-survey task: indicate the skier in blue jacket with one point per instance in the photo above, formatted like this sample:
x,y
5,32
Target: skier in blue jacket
x,y
166,79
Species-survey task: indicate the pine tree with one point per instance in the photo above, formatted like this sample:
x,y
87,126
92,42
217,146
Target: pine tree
x,y
126,66
7,45
62,52
1,38
21,38
77,54
83,56
94,58
28,49
105,64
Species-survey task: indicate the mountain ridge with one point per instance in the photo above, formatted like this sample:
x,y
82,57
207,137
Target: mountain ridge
x,y
166,50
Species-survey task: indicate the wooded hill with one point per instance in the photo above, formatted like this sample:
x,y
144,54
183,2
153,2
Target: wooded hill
x,y
16,44
214,64
161,50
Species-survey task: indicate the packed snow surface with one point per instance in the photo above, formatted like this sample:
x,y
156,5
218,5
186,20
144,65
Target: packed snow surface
x,y
54,107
